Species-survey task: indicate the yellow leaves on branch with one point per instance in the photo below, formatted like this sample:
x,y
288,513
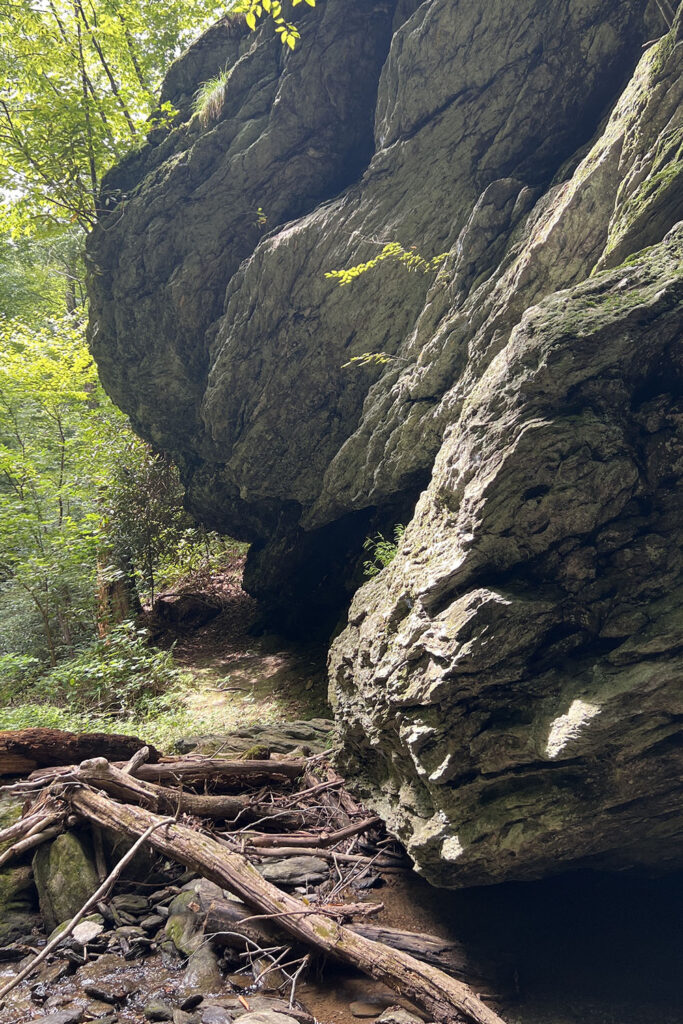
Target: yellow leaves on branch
x,y
256,9
408,258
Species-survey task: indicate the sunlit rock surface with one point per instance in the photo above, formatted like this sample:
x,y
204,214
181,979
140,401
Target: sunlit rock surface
x,y
508,690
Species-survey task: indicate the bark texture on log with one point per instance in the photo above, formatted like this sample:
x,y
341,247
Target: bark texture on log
x,y
26,749
98,772
445,999
191,770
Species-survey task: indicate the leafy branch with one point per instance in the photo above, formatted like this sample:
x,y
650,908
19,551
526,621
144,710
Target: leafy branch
x,y
408,258
256,9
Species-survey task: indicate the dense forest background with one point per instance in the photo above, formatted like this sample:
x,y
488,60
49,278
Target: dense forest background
x,y
91,518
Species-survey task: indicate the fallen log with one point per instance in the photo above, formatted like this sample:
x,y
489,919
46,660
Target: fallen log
x,y
23,750
444,999
118,783
223,917
187,770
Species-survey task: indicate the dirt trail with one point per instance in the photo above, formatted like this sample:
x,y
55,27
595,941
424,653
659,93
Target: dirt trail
x,y
241,679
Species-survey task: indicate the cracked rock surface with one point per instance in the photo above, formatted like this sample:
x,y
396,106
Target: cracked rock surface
x,y
508,689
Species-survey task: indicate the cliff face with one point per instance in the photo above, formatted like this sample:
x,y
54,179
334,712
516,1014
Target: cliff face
x,y
506,689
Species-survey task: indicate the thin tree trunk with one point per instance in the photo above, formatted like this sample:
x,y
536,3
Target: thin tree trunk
x,y
78,8
86,115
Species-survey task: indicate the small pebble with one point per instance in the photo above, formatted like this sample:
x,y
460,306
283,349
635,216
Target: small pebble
x,y
158,1009
151,923
191,1001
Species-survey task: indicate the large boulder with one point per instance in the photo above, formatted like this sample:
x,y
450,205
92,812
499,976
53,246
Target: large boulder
x,y
18,904
505,689
509,688
221,336
65,877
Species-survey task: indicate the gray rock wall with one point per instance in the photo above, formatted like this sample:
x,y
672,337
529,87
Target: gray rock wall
x,y
506,689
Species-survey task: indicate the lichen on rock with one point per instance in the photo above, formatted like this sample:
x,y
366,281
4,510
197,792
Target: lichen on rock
x,y
506,689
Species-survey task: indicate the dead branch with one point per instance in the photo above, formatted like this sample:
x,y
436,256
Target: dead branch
x,y
324,839
29,843
29,824
444,998
98,772
332,855
136,760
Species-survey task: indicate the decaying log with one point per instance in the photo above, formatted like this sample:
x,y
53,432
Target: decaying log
x,y
189,770
98,772
444,998
24,750
226,919
140,757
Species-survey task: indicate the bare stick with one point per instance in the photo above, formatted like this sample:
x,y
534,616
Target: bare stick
x,y
314,851
95,898
136,760
666,11
98,846
324,839
29,842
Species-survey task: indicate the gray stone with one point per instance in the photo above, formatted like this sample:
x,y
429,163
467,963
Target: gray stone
x,y
158,1009
184,926
216,1015
151,923
507,689
71,1015
359,1008
65,877
132,903
86,931
293,871
202,975
17,903
181,1017
398,1015
267,1017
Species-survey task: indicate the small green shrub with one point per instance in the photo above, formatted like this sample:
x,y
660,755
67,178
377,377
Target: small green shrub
x,y
382,551
210,97
114,677
15,671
